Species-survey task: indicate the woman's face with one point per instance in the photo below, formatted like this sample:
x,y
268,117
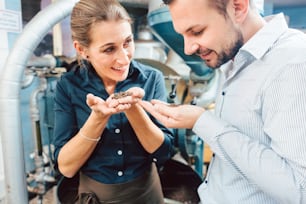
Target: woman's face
x,y
111,50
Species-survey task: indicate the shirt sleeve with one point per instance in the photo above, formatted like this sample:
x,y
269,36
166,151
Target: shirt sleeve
x,y
278,168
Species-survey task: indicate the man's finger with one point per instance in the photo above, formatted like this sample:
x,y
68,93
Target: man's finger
x,y
164,119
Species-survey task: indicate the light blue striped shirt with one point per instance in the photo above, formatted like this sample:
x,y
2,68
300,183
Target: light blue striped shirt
x,y
258,129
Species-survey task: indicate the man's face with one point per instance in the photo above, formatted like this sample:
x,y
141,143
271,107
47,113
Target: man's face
x,y
206,31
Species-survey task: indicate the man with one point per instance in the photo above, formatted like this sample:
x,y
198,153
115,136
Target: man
x,y
257,131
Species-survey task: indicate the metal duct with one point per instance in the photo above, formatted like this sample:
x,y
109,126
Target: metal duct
x,y
135,3
10,84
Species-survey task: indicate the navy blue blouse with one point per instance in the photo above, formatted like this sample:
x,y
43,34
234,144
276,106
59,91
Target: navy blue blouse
x,y
119,156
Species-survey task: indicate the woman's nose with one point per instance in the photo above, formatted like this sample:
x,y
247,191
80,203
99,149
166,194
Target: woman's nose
x,y
123,56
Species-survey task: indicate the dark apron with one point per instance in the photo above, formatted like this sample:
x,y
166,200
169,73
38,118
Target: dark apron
x,y
145,189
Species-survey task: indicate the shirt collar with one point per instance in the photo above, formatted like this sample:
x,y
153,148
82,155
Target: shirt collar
x,y
266,36
140,69
258,45
135,66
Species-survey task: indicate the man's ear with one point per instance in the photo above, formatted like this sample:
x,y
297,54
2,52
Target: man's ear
x,y
81,50
241,9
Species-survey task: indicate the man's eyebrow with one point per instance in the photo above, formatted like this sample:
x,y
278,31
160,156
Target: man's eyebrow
x,y
191,28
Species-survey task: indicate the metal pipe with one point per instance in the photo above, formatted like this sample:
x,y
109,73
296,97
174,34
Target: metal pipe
x,y
27,80
10,83
135,3
35,114
44,61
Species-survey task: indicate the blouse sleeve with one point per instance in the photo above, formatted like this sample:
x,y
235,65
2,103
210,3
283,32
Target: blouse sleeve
x,y
64,118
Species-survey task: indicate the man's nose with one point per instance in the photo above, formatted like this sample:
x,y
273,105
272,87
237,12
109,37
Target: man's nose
x,y
190,47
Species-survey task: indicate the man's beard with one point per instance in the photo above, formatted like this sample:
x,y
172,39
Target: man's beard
x,y
230,53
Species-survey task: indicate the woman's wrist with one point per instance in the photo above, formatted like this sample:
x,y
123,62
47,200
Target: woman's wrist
x,y
82,135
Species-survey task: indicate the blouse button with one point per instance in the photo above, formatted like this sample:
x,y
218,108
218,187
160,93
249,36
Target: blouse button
x,y
119,152
120,173
117,130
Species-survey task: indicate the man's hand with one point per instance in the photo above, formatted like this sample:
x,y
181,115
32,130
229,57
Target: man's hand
x,y
173,116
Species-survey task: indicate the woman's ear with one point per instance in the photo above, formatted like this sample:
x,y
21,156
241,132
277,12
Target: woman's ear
x,y
241,9
81,50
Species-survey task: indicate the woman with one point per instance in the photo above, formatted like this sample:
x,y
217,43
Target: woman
x,y
100,129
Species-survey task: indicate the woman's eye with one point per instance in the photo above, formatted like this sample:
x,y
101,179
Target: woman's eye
x,y
128,42
109,50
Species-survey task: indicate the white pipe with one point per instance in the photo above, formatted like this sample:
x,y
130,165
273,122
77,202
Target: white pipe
x,y
10,84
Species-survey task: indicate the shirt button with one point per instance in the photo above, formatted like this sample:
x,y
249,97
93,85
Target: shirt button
x,y
206,181
120,173
119,152
154,160
117,130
